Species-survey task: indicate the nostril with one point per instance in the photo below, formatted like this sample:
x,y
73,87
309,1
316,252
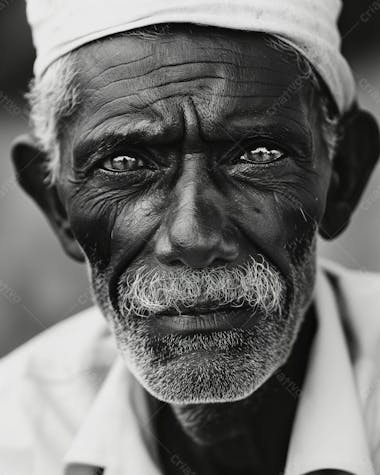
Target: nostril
x,y
191,241
195,250
230,251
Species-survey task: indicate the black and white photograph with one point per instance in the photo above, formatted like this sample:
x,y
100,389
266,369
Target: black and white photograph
x,y
189,237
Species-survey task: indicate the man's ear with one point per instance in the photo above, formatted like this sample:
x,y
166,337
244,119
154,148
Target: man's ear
x,y
353,163
30,167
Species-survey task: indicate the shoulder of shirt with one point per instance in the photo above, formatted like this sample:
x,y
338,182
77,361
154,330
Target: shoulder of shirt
x,y
358,296
76,344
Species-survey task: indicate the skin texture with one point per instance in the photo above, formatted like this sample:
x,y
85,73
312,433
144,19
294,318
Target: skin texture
x,y
189,106
193,111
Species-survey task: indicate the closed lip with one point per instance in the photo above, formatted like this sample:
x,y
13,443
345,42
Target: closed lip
x,y
203,320
199,309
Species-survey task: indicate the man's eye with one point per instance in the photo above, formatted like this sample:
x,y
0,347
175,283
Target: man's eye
x,y
261,155
123,163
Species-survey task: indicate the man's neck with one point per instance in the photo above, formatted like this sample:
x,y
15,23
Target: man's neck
x,y
247,436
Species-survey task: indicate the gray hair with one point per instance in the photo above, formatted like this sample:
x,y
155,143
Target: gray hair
x,y
54,98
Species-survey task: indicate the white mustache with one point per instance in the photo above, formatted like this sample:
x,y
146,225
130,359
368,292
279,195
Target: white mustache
x,y
145,291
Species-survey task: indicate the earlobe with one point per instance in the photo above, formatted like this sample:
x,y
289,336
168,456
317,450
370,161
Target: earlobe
x,y
354,161
334,224
29,164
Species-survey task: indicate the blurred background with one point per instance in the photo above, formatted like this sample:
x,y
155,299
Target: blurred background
x,y
39,285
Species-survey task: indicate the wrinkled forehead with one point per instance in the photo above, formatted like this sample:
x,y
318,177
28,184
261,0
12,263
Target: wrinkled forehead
x,y
226,75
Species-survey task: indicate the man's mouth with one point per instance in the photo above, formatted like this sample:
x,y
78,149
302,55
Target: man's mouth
x,y
204,319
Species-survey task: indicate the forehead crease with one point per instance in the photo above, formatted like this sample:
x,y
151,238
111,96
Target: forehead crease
x,y
119,58
222,80
170,105
184,71
194,78
201,87
221,88
188,72
139,64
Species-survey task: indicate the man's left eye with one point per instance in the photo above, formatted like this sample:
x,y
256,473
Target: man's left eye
x,y
123,163
261,155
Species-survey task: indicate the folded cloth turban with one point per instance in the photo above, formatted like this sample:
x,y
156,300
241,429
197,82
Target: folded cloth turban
x,y
310,26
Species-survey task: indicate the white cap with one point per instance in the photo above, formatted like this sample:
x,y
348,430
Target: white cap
x,y
60,26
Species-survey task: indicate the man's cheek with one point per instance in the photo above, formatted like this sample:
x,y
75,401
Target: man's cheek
x,y
133,230
275,219
300,218
91,222
299,203
111,229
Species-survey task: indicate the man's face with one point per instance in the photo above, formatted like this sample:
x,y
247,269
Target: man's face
x,y
194,178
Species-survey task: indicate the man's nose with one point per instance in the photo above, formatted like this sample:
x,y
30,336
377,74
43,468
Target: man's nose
x,y
196,231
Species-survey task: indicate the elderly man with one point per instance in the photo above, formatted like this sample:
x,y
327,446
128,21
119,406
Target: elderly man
x,y
190,156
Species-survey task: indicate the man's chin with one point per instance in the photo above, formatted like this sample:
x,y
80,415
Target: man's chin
x,y
190,381
228,372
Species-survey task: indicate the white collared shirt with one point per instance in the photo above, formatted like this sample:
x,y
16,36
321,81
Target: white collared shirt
x,y
65,397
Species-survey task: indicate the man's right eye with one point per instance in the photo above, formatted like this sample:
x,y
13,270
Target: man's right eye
x,y
123,163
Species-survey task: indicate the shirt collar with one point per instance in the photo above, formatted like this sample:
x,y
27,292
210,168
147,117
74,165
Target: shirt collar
x,y
328,430
110,435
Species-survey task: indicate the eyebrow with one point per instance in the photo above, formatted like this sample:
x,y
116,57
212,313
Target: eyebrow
x,y
146,133
298,135
90,150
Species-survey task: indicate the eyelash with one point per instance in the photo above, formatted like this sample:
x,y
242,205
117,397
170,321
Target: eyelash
x,y
150,165
234,159
152,168
145,175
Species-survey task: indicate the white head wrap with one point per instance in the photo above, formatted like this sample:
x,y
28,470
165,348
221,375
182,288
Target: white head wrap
x,y
60,26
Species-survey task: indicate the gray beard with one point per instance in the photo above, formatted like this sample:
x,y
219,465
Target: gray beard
x,y
235,363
